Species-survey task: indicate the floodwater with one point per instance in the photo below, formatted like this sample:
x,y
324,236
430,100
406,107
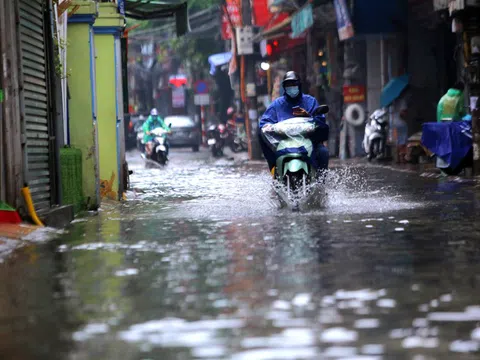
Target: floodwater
x,y
201,263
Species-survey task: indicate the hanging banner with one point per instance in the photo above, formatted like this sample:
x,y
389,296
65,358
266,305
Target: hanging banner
x,y
302,20
121,7
344,23
230,13
178,97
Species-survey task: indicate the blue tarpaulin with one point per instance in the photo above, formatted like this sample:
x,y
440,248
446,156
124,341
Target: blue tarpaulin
x,y
218,60
393,89
450,141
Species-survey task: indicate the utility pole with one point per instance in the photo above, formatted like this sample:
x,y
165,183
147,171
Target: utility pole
x,y
249,94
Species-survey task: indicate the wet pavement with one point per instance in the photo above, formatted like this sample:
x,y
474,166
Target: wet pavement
x,y
201,263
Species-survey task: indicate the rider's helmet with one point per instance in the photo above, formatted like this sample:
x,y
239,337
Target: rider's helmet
x,y
292,84
230,111
154,112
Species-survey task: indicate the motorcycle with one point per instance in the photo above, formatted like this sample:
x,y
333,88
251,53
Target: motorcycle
x,y
290,141
160,148
216,139
237,139
375,137
138,127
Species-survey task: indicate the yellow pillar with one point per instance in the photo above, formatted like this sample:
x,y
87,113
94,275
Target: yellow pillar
x,y
107,29
82,119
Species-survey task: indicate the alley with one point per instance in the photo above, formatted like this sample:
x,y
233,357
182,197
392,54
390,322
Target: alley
x,y
201,263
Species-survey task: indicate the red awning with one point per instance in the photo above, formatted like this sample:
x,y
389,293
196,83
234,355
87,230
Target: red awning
x,y
178,80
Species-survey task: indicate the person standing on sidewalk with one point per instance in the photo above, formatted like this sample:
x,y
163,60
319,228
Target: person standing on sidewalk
x,y
400,126
451,106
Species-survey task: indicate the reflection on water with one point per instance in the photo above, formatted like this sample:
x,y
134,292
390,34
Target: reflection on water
x,y
202,264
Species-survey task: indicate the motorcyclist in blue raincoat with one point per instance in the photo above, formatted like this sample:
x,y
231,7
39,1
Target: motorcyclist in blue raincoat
x,y
154,121
295,103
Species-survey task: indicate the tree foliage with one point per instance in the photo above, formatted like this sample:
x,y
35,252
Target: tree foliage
x,y
189,52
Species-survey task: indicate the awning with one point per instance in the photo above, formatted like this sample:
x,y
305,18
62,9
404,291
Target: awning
x,y
275,30
152,9
178,80
218,60
393,90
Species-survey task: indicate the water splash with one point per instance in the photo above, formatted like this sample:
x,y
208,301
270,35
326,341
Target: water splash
x,y
219,190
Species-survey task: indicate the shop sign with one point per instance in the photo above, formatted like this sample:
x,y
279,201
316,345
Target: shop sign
x,y
344,23
454,5
230,13
251,90
302,20
244,37
178,97
353,94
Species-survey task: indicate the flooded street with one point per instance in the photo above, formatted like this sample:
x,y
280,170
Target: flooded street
x,y
201,263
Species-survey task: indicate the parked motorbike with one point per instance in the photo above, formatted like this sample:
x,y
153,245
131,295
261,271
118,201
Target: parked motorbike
x,y
290,141
160,148
375,137
217,136
139,131
237,139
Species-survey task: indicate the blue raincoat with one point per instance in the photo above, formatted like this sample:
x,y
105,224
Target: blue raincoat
x,y
282,109
450,141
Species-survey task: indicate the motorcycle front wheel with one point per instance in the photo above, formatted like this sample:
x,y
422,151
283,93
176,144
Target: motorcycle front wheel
x,y
374,149
217,151
236,147
160,158
296,184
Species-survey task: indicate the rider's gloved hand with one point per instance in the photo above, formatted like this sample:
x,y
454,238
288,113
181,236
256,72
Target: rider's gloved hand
x,y
300,112
267,128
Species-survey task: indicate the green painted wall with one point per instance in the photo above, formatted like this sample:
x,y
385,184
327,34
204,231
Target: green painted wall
x,y
107,115
82,126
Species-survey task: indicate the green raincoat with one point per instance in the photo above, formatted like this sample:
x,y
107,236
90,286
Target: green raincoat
x,y
451,106
152,123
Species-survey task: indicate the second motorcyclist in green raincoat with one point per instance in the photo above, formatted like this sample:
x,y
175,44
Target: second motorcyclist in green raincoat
x,y
154,121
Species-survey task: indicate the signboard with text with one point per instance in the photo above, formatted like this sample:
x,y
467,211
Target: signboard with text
x,y
178,97
353,94
201,99
230,16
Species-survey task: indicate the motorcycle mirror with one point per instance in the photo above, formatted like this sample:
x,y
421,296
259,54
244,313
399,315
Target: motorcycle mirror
x,y
321,110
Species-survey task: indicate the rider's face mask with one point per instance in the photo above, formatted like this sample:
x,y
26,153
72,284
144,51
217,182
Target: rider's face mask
x,y
292,91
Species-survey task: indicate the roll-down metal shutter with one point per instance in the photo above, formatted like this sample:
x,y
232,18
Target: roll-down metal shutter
x,y
35,101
